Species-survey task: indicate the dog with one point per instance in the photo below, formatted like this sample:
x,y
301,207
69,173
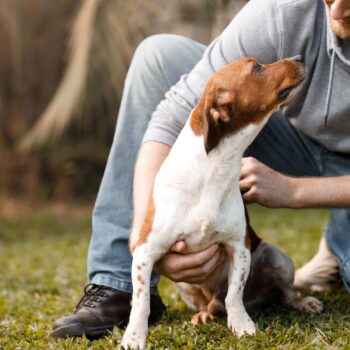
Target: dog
x,y
196,195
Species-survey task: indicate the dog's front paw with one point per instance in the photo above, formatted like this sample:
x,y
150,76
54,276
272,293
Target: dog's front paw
x,y
132,344
311,304
133,340
240,324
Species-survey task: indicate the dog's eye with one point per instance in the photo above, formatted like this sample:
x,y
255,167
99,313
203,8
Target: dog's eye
x,y
258,68
284,93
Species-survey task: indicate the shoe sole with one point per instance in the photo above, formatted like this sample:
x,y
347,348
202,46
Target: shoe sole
x,y
75,330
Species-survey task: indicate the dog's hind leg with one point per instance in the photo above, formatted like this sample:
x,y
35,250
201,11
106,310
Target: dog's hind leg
x,y
211,312
204,298
194,297
294,298
237,318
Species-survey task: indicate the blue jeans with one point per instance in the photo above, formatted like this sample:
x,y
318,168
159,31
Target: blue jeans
x,y
158,64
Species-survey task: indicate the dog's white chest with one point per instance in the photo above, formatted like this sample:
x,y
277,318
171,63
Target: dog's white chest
x,y
202,227
197,197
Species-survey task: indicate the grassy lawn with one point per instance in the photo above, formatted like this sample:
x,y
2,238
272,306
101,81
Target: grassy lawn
x,y
42,273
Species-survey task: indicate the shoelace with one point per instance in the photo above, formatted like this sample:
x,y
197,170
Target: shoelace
x,y
92,295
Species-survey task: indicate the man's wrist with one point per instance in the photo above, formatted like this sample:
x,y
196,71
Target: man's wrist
x,y
320,192
297,190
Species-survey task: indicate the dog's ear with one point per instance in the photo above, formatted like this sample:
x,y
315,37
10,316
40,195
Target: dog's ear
x,y
196,120
217,114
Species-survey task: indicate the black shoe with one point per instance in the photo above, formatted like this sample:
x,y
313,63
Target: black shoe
x,y
98,311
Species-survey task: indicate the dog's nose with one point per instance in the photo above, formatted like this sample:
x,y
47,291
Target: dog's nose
x,y
298,58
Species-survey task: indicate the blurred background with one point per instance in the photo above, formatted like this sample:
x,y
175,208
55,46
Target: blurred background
x,y
62,69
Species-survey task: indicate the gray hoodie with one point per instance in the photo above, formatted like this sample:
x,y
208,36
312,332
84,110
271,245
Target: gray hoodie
x,y
271,30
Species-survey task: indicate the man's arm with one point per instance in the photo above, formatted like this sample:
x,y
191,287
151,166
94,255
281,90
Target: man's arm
x,y
262,185
150,158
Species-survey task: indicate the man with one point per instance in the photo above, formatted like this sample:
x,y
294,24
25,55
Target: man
x,y
301,159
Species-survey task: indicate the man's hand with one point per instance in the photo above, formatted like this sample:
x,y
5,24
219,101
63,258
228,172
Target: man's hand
x,y
261,184
192,267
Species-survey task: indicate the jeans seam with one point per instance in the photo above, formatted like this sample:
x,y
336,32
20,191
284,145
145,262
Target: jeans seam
x,y
344,275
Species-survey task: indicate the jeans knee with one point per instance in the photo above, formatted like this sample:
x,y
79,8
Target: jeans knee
x,y
159,47
166,54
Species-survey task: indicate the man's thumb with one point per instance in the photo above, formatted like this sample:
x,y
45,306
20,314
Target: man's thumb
x,y
178,247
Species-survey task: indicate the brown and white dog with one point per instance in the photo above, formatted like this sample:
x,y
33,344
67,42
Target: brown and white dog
x,y
196,198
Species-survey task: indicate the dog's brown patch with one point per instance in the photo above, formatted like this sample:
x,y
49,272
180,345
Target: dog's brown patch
x,y
146,226
196,120
140,279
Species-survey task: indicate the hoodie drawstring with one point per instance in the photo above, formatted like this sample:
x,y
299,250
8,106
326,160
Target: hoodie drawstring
x,y
329,89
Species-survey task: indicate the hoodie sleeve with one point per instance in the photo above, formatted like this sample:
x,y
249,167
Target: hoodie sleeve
x,y
254,32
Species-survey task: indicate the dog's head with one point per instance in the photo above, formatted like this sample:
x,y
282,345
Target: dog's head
x,y
242,93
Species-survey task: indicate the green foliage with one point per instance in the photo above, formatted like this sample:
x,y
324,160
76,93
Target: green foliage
x,y
42,269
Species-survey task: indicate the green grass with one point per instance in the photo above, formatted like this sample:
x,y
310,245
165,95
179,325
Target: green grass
x,y
42,273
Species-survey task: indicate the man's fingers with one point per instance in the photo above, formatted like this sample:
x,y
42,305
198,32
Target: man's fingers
x,y
172,264
199,274
190,261
250,166
244,173
178,247
250,196
245,185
